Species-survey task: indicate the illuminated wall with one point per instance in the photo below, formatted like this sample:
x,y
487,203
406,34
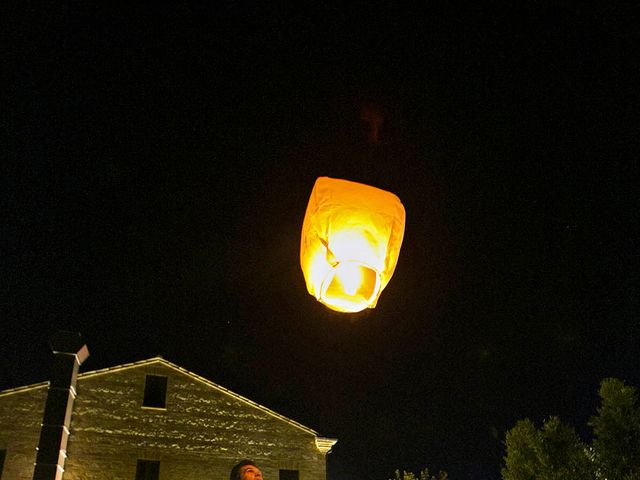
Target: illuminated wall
x,y
20,421
199,434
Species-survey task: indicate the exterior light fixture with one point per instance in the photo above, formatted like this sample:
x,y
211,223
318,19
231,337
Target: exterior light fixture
x,y
350,243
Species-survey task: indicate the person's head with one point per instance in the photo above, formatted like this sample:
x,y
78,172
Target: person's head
x,y
245,470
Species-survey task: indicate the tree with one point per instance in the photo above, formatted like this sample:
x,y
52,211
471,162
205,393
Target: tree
x,y
617,432
423,475
556,452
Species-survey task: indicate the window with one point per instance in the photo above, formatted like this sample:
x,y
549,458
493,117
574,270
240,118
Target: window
x,y
148,470
155,392
289,475
3,453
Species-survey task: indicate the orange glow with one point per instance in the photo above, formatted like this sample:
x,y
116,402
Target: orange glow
x,y
351,238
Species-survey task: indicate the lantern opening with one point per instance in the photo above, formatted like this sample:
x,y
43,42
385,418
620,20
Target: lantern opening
x,y
350,287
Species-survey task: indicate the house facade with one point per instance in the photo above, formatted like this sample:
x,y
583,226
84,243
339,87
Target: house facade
x,y
153,420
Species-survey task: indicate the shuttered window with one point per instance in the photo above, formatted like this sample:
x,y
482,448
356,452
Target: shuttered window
x,y
148,470
3,453
289,475
155,392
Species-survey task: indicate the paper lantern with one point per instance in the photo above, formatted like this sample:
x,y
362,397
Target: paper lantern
x,y
351,238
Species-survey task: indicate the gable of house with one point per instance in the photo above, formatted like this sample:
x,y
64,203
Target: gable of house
x,y
195,428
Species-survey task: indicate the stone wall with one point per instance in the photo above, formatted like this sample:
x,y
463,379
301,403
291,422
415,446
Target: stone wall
x,y
20,419
201,434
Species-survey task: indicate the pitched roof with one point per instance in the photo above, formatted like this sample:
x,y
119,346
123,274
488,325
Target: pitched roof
x,y
162,361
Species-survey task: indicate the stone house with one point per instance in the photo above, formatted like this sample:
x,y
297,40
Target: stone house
x,y
153,420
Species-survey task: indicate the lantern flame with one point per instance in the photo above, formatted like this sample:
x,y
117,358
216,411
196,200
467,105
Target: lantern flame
x,y
351,239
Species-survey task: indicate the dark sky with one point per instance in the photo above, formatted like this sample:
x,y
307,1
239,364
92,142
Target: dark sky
x,y
160,162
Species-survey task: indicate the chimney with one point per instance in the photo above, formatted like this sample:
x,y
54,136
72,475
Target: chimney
x,y
69,352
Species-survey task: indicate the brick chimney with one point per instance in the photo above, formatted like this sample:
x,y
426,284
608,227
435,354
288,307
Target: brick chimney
x,y
69,352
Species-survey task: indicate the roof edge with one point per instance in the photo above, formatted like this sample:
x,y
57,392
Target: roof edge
x,y
183,371
24,388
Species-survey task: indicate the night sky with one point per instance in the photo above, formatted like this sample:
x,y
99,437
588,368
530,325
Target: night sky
x,y
160,160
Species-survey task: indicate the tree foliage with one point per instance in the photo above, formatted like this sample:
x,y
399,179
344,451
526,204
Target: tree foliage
x,y
617,431
423,475
556,452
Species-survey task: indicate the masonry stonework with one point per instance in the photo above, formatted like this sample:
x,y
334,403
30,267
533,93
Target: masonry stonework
x,y
20,421
203,431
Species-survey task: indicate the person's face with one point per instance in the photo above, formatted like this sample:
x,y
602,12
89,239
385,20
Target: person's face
x,y
250,472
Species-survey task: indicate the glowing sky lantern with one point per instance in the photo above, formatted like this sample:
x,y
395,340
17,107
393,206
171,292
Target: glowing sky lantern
x,y
351,238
